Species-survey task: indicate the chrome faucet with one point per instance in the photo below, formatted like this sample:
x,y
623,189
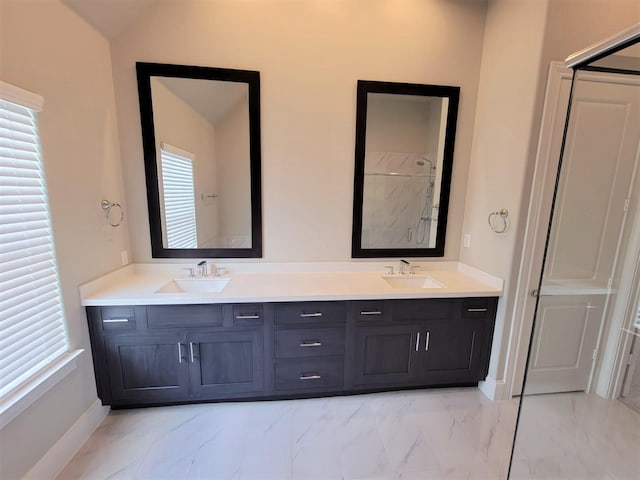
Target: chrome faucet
x,y
403,266
202,268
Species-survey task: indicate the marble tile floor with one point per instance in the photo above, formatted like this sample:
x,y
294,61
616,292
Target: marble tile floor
x,y
419,434
576,436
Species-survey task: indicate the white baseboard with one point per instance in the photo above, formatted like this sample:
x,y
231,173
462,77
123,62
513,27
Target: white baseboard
x,y
493,389
52,463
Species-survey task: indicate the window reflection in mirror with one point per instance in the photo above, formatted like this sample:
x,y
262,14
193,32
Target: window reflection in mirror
x,y
210,119
404,151
202,157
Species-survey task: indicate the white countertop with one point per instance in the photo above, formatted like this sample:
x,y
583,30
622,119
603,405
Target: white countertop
x,y
279,282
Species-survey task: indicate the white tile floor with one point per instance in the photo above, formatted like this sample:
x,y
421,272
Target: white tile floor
x,y
422,434
449,433
576,436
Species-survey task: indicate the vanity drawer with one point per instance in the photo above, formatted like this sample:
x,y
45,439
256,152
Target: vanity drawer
x,y
308,342
477,307
118,318
171,316
310,312
248,314
371,310
309,374
410,310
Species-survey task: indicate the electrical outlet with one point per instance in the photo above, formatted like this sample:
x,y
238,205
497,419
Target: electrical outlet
x,y
466,242
124,257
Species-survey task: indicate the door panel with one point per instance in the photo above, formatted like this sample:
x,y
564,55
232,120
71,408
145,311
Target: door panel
x,y
147,369
451,350
588,221
564,342
226,363
383,355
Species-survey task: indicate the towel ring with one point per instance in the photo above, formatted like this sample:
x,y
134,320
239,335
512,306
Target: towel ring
x,y
107,206
502,214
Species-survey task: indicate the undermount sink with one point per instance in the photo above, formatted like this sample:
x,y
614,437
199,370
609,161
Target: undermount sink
x,y
194,285
411,281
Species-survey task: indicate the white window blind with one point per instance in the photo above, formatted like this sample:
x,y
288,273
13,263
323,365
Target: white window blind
x,y
178,197
32,326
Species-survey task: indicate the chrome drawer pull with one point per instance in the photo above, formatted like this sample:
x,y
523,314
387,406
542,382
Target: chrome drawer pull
x,y
311,344
180,352
191,352
426,342
371,312
311,376
418,341
316,314
246,317
115,320
476,309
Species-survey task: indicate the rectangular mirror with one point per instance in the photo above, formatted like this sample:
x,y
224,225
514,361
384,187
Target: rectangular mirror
x,y
201,140
405,134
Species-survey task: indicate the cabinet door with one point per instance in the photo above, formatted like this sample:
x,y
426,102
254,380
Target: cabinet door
x,y
384,355
226,363
450,351
147,368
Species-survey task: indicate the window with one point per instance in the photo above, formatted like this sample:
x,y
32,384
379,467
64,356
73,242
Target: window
x,y
32,325
178,197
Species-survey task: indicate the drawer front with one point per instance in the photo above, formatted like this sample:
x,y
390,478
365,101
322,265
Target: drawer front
x,y
248,314
310,312
411,310
118,318
309,374
308,342
171,316
370,310
477,307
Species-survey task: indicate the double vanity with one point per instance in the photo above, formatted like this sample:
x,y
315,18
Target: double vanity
x,y
286,331
263,330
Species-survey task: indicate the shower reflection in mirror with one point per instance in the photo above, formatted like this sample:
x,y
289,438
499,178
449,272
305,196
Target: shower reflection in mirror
x,y
405,136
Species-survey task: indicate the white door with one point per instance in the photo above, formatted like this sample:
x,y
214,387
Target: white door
x,y
564,342
598,167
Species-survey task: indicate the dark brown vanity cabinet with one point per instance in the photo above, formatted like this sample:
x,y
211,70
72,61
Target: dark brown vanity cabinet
x,y
146,368
165,354
422,342
160,354
309,347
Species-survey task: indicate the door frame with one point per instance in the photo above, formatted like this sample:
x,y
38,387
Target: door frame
x,y
608,364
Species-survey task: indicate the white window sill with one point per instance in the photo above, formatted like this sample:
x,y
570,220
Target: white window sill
x,y
18,401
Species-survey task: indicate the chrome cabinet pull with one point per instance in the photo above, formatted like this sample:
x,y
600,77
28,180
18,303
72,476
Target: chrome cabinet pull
x,y
180,357
311,376
476,309
311,344
426,342
191,354
246,317
418,342
115,320
316,314
371,312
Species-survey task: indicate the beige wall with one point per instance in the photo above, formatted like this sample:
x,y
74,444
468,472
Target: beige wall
x,y
47,49
178,124
310,55
505,115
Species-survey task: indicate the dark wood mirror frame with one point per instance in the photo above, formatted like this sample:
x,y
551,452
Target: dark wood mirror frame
x,y
364,88
145,71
